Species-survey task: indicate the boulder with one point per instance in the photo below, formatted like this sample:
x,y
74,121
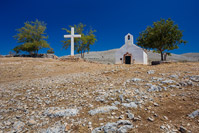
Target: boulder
x,y
58,112
136,80
103,109
195,78
18,126
124,129
168,81
194,114
151,72
130,105
121,126
154,88
110,128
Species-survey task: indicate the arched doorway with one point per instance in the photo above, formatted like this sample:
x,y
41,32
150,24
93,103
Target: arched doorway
x,y
127,58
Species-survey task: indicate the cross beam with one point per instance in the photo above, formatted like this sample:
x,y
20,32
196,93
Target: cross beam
x,y
72,36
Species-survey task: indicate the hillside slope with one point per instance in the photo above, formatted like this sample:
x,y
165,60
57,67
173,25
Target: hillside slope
x,y
192,55
40,95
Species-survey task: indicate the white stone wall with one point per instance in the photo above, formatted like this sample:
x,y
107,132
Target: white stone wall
x,y
138,54
145,58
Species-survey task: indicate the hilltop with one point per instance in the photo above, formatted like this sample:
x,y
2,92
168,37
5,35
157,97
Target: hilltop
x,y
109,56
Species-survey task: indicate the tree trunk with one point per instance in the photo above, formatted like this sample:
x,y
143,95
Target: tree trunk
x,y
83,51
37,53
81,54
165,56
162,59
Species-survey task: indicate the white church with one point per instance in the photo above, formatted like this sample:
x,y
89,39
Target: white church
x,y
129,53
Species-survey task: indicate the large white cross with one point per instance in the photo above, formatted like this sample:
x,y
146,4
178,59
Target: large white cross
x,y
72,36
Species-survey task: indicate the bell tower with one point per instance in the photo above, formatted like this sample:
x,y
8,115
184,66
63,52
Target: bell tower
x,y
129,39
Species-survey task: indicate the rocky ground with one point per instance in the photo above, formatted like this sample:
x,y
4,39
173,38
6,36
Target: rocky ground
x,y
45,95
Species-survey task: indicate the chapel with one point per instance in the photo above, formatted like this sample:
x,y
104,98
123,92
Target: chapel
x,y
129,53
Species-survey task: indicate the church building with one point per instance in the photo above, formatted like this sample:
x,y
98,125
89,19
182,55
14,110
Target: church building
x,y
129,53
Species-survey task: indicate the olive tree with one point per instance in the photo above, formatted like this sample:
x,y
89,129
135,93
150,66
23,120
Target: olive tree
x,y
32,37
163,36
82,44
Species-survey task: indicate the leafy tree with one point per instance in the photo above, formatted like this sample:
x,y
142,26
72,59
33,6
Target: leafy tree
x,y
163,36
32,36
82,44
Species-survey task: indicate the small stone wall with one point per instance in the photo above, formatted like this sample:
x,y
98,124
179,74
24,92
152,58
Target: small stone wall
x,y
74,59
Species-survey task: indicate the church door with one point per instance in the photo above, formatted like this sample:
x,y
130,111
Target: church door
x,y
127,59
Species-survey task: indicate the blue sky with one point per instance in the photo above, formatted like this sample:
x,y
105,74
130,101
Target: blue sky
x,y
112,19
